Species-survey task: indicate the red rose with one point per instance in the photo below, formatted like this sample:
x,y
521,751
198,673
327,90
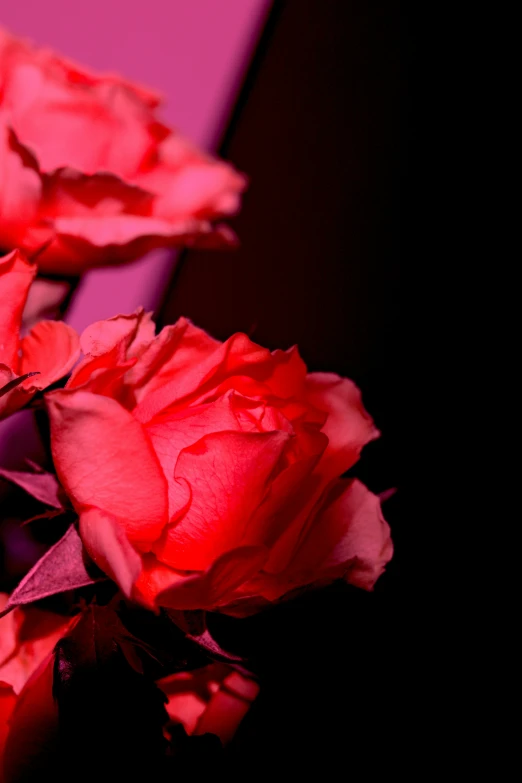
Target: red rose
x,y
206,474
50,348
28,715
214,699
89,173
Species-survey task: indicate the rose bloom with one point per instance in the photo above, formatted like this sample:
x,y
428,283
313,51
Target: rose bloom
x,y
50,349
89,174
206,474
28,715
214,700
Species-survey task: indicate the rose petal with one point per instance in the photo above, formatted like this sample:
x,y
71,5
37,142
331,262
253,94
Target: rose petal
x,y
26,638
8,701
38,632
172,367
217,584
105,540
227,707
9,625
83,242
7,400
348,426
154,578
287,505
112,347
97,376
33,736
91,144
187,698
56,115
15,391
16,276
348,538
104,459
172,433
19,195
228,474
51,348
238,363
201,189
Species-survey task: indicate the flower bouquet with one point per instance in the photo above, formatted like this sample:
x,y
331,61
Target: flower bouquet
x,y
196,493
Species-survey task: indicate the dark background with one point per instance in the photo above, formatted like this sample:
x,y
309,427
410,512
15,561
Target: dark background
x,y
322,129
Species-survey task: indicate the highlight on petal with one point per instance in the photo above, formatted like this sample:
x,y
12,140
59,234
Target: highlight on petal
x,y
228,473
170,434
8,701
104,459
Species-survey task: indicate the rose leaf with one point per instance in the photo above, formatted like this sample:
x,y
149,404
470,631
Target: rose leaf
x,y
194,624
63,567
43,486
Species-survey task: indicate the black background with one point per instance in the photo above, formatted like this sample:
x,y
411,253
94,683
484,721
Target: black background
x,y
323,128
